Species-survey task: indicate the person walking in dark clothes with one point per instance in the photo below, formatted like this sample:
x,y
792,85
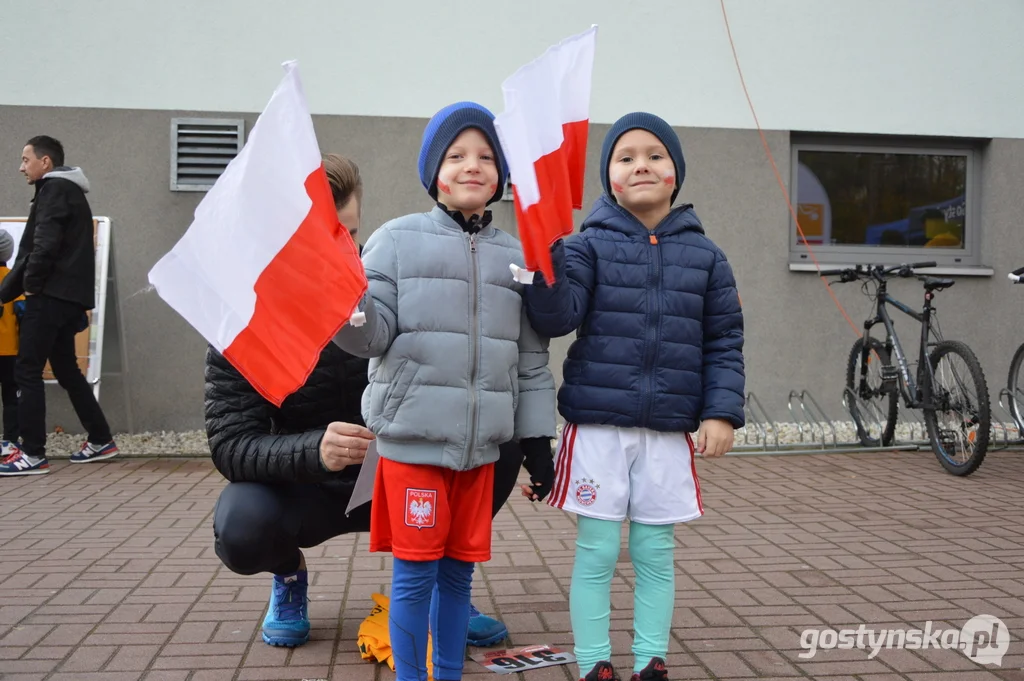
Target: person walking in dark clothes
x,y
56,272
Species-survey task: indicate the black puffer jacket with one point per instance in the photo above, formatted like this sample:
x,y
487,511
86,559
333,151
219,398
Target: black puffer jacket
x,y
252,440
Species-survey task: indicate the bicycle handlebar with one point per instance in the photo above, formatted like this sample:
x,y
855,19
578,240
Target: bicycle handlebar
x,y
878,271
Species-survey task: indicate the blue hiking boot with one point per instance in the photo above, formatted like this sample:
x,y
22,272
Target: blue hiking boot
x,y
484,630
287,620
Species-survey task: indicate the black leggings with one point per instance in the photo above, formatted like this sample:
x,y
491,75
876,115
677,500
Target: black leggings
x,y
9,394
260,527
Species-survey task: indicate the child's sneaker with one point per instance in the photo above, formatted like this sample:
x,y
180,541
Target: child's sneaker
x,y
654,671
484,630
20,463
287,620
602,671
91,452
7,447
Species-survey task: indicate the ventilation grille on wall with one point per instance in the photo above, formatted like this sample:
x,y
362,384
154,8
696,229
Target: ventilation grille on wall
x,y
201,149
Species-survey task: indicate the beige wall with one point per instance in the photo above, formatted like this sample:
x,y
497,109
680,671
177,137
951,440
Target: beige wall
x,y
795,336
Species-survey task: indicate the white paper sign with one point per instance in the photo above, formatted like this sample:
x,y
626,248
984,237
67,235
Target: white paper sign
x,y
362,493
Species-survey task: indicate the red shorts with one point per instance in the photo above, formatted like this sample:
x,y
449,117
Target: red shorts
x,y
425,513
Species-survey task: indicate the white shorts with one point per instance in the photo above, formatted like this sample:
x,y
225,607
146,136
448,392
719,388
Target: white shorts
x,y
612,473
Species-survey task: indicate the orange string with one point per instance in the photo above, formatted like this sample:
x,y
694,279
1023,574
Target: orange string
x,y
778,177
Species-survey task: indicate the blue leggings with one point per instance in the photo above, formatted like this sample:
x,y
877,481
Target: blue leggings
x,y
436,591
597,551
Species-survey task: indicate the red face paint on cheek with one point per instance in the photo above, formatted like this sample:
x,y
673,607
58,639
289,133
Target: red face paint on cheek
x,y
670,180
494,187
443,187
617,187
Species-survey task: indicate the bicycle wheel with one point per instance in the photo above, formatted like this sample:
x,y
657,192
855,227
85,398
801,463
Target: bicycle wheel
x,y
959,423
1015,384
873,406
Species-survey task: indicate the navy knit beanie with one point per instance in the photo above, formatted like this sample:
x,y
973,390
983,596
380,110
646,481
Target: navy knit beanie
x,y
652,124
441,131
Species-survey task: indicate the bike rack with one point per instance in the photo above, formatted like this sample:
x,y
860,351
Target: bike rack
x,y
817,431
813,415
1009,429
757,417
1005,393
918,431
804,418
870,413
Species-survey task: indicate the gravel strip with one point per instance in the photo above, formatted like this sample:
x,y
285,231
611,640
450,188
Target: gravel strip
x,y
193,443
189,444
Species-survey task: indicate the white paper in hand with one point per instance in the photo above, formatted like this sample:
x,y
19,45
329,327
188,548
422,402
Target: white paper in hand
x,y
521,275
363,491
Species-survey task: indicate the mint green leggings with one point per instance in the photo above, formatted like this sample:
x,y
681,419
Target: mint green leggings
x,y
597,550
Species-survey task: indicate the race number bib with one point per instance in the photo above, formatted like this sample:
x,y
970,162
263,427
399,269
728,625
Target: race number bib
x,y
524,659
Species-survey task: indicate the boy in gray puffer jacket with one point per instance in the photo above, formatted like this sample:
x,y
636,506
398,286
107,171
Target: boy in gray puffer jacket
x,y
457,370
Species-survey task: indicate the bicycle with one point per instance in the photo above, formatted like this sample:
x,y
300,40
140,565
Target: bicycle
x,y
960,444
1015,382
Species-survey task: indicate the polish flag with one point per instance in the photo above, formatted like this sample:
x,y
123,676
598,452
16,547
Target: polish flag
x,y
543,132
266,273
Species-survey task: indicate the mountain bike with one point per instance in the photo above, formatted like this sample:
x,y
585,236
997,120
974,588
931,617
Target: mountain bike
x,y
1015,381
949,386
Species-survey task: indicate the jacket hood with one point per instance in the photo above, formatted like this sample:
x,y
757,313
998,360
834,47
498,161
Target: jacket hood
x,y
6,245
607,214
68,173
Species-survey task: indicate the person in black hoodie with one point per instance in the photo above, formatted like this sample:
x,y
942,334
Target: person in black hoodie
x,y
56,271
292,470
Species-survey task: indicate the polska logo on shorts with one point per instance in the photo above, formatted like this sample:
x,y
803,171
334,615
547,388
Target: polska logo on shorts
x,y
420,506
586,495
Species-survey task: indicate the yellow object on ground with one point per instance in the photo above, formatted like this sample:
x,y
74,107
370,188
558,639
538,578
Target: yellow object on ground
x,y
374,638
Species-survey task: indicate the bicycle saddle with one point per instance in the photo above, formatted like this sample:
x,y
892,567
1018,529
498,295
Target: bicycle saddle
x,y
936,284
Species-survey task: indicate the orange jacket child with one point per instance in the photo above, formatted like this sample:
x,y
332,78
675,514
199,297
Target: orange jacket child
x,y
8,352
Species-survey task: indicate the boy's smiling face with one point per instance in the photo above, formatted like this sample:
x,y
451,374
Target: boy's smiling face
x,y
641,172
468,176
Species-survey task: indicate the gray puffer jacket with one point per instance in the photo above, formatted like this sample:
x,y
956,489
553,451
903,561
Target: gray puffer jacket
x,y
458,369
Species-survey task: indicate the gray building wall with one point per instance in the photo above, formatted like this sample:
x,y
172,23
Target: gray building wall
x,y
796,338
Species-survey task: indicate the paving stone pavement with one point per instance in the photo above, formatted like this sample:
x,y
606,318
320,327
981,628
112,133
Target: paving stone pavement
x,y
110,575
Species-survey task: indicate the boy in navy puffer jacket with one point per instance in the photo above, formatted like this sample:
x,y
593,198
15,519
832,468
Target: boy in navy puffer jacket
x,y
658,355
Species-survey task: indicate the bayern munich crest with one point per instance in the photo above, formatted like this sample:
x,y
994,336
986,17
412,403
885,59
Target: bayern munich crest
x,y
586,494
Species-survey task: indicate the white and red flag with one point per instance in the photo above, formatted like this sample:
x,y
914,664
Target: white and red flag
x,y
266,273
543,133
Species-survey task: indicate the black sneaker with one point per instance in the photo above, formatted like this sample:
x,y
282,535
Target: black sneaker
x,y
602,671
654,671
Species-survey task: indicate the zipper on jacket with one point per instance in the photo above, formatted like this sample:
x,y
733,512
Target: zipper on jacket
x,y
651,349
474,323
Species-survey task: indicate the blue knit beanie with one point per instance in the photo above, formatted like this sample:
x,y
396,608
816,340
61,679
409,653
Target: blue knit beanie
x,y
441,131
652,124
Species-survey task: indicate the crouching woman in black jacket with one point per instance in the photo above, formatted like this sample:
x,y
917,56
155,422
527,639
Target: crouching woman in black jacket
x,y
292,470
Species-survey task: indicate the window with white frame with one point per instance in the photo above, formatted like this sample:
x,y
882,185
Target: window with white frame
x,y
873,202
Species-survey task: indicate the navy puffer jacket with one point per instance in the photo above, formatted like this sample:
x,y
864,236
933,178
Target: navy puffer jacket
x,y
660,330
